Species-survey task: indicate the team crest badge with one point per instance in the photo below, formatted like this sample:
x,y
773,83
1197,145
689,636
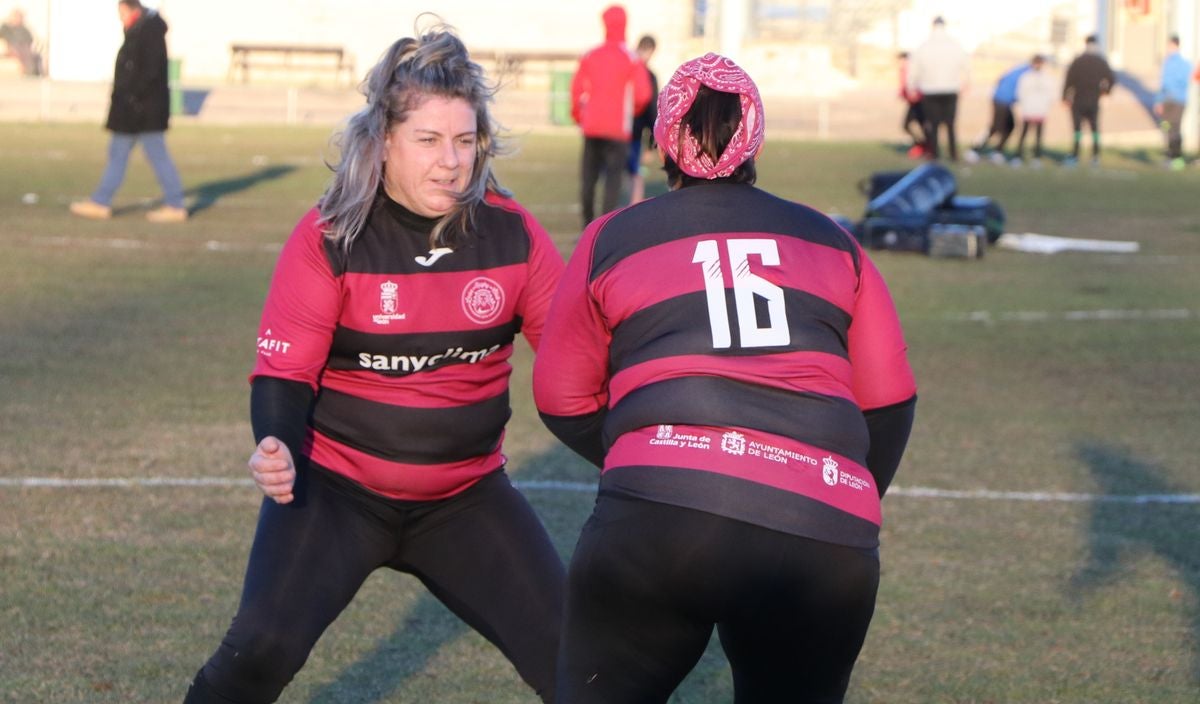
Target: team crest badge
x,y
829,471
388,297
482,300
389,304
733,443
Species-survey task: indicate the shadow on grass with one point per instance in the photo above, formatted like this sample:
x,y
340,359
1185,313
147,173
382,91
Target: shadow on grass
x,y
1144,95
206,194
399,658
193,100
391,668
1145,98
1119,529
1142,155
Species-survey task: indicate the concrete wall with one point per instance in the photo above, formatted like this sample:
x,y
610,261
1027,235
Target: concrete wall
x,y
82,36
85,34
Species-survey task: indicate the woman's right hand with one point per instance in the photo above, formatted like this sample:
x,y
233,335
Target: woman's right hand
x,y
273,470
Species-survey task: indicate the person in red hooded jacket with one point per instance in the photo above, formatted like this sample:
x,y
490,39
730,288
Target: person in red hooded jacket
x,y
610,86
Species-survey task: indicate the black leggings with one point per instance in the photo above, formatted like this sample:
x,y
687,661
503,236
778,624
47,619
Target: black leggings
x,y
483,553
649,581
1037,138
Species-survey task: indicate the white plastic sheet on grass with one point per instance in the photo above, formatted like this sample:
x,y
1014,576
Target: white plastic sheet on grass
x,y
1049,244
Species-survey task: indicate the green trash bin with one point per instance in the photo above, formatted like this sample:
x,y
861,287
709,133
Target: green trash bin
x,y
560,98
174,86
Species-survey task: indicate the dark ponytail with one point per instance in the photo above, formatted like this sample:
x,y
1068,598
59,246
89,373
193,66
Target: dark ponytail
x,y
712,120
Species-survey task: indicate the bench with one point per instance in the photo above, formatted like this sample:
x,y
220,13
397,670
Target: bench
x,y
290,58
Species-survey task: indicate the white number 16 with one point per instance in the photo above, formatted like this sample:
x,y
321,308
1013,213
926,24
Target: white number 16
x,y
745,287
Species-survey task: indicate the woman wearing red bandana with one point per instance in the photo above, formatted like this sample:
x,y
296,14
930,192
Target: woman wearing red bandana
x,y
734,364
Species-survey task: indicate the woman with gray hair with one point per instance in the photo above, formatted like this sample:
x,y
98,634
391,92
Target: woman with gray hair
x,y
380,393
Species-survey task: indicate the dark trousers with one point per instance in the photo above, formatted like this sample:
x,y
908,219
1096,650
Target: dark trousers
x,y
1089,114
1037,138
649,581
914,123
941,110
1172,120
601,158
1003,124
483,553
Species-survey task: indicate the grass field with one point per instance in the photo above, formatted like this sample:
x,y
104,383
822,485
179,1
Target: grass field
x,y
1055,576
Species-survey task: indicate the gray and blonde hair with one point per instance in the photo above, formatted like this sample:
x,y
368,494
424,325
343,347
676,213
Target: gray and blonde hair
x,y
435,63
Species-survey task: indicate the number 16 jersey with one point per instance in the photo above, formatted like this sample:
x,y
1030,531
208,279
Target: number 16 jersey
x,y
721,345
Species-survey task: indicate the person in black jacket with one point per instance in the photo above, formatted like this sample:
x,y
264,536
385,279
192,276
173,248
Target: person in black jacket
x,y
139,112
643,125
1088,77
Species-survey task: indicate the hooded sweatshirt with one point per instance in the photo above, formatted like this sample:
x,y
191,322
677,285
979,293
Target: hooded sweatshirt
x,y
1036,92
611,85
939,66
140,98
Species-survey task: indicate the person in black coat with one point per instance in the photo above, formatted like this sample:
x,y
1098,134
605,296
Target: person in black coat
x,y
1089,77
139,112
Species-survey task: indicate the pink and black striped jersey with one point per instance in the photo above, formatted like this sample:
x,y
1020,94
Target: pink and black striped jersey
x,y
408,349
728,343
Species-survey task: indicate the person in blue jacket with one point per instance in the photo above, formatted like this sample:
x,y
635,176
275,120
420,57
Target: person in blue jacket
x,y
1171,100
1003,121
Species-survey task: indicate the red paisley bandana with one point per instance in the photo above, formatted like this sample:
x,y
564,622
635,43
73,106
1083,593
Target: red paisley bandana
x,y
674,100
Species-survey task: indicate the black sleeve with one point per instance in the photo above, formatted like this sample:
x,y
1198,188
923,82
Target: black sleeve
x,y
280,407
1069,82
889,428
580,433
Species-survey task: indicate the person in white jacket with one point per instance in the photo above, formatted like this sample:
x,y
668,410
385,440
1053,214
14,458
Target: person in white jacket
x,y
939,70
1036,93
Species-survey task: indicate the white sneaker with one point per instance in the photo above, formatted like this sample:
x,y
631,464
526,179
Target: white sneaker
x,y
167,213
971,156
998,158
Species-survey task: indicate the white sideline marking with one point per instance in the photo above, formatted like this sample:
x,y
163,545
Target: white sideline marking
x,y
1044,496
59,483
1041,316
587,487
